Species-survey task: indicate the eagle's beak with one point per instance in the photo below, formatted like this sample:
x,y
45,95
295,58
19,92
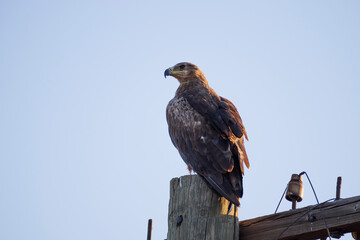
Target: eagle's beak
x,y
168,72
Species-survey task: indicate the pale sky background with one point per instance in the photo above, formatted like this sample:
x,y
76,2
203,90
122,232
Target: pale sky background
x,y
84,147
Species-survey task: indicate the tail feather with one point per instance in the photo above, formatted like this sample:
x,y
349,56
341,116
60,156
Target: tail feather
x,y
224,189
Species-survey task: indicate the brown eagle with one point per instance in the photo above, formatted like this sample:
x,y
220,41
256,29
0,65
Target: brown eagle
x,y
207,131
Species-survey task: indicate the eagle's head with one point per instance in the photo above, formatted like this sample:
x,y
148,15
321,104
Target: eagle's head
x,y
185,72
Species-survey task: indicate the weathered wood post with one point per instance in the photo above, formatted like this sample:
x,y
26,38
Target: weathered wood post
x,y
197,213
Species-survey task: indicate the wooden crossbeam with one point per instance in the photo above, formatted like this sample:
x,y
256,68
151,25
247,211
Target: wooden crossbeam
x,y
342,216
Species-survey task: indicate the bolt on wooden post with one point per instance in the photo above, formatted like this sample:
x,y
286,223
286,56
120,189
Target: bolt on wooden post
x,y
197,212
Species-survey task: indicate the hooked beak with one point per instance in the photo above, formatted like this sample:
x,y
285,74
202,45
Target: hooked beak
x,y
168,72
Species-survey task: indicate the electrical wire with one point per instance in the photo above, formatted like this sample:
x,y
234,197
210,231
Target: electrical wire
x,y
281,199
307,212
317,200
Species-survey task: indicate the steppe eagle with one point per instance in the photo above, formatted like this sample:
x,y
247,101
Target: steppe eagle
x,y
207,131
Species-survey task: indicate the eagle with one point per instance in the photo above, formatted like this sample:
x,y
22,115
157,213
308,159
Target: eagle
x,y
207,131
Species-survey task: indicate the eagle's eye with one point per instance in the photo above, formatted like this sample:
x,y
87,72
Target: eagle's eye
x,y
182,67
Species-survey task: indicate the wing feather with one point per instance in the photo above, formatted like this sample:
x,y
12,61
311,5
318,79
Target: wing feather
x,y
231,117
218,111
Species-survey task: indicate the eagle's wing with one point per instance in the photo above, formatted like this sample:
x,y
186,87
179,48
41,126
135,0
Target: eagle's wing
x,y
218,111
202,147
231,117
222,115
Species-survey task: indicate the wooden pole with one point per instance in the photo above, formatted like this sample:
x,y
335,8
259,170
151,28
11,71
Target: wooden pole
x,y
197,212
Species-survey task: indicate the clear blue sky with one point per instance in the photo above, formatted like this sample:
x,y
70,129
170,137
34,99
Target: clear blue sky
x,y
84,147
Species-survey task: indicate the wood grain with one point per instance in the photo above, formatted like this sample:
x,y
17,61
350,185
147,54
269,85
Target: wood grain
x,y
204,213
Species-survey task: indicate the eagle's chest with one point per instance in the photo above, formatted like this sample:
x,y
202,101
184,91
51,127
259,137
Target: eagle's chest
x,y
180,113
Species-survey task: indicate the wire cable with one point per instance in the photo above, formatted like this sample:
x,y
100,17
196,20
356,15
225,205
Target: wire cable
x,y
307,212
281,199
317,200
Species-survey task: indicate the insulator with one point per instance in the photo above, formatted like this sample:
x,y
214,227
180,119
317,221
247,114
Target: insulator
x,y
295,189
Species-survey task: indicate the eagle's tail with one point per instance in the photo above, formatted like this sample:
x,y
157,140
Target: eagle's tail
x,y
223,187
